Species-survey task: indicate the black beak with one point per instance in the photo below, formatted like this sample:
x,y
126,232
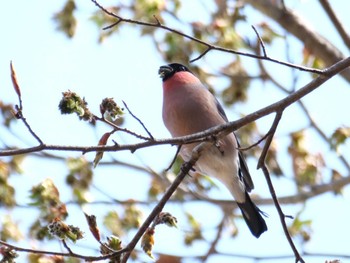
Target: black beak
x,y
165,71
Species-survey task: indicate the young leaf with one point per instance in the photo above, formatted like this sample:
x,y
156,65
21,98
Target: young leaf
x,y
91,220
147,242
14,80
103,141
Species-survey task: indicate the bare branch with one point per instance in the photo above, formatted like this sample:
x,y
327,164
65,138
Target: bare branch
x,y
212,248
24,120
254,144
185,169
293,23
35,251
262,165
313,124
270,133
209,46
201,55
174,159
136,118
298,258
336,22
260,41
67,247
297,198
117,128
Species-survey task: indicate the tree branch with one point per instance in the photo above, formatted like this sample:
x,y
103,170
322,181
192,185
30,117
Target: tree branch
x,y
208,46
205,135
313,124
336,22
185,169
136,118
212,248
269,138
297,26
282,216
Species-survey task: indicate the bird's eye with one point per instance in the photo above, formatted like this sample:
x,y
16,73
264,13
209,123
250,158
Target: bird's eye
x,y
182,68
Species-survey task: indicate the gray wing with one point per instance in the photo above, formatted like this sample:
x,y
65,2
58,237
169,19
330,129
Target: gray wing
x,y
243,168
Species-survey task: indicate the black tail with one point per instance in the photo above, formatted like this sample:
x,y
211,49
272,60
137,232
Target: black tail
x,y
252,216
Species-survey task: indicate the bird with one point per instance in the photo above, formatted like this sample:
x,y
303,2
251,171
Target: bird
x,y
189,107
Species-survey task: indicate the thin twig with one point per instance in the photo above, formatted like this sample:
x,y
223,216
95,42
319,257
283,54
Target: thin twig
x,y
296,25
117,128
209,46
35,251
212,248
174,159
313,124
31,131
336,22
202,54
261,42
280,213
254,144
67,247
262,165
270,133
19,109
136,118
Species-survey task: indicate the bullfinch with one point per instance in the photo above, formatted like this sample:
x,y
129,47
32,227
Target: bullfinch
x,y
188,108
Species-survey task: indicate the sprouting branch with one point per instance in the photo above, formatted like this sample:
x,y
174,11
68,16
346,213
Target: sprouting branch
x,y
19,108
209,47
185,169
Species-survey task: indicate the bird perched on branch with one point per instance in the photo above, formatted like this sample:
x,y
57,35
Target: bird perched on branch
x,y
189,107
